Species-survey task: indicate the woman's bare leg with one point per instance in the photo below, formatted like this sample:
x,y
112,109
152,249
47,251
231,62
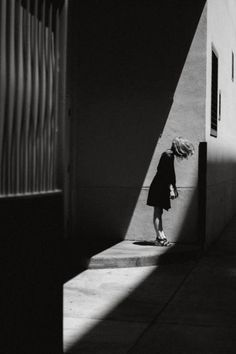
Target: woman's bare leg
x,y
157,222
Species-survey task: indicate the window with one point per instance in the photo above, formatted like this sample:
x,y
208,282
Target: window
x,y
219,105
232,66
214,94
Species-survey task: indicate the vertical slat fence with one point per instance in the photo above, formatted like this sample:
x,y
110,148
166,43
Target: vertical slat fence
x,y
20,96
29,71
3,85
11,86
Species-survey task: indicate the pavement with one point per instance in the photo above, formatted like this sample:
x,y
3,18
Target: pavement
x,y
141,253
183,305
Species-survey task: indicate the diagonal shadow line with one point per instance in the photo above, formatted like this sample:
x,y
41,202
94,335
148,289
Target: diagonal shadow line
x,y
102,214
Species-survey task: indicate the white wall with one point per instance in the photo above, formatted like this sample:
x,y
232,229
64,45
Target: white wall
x,y
221,161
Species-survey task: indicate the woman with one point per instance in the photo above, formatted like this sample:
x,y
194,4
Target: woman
x,y
163,187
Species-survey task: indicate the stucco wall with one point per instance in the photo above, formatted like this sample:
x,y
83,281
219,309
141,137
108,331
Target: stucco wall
x,y
186,118
132,79
221,160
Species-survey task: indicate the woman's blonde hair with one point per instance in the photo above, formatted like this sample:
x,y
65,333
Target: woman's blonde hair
x,y
182,148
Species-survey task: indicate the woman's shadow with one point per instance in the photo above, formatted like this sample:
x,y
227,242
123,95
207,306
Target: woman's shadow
x,y
144,243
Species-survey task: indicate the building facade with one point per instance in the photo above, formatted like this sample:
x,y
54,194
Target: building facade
x,y
139,75
221,149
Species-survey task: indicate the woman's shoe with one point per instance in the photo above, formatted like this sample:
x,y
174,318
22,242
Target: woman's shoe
x,y
161,242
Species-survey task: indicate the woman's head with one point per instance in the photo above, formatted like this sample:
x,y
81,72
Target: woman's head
x,y
182,148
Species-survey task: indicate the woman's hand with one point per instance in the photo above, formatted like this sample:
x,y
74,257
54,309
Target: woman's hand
x,y
173,192
176,192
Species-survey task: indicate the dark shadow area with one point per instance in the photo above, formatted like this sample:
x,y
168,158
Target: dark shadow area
x,y
144,243
76,259
31,262
124,62
202,192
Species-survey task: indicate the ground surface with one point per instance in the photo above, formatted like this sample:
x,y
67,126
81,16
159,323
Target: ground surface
x,y
185,306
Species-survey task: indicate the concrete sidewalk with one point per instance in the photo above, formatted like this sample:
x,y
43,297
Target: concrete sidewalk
x,y
140,253
183,307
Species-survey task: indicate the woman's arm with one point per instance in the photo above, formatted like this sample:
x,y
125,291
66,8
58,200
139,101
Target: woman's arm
x,y
173,189
173,192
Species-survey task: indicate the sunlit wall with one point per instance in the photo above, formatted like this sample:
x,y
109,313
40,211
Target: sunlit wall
x,y
186,118
221,161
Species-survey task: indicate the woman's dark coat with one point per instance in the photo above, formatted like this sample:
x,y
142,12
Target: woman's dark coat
x,y
159,191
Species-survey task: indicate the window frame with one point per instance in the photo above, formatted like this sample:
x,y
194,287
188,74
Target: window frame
x,y
214,92
232,66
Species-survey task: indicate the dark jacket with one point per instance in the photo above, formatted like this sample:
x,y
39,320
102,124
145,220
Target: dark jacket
x,y
159,191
